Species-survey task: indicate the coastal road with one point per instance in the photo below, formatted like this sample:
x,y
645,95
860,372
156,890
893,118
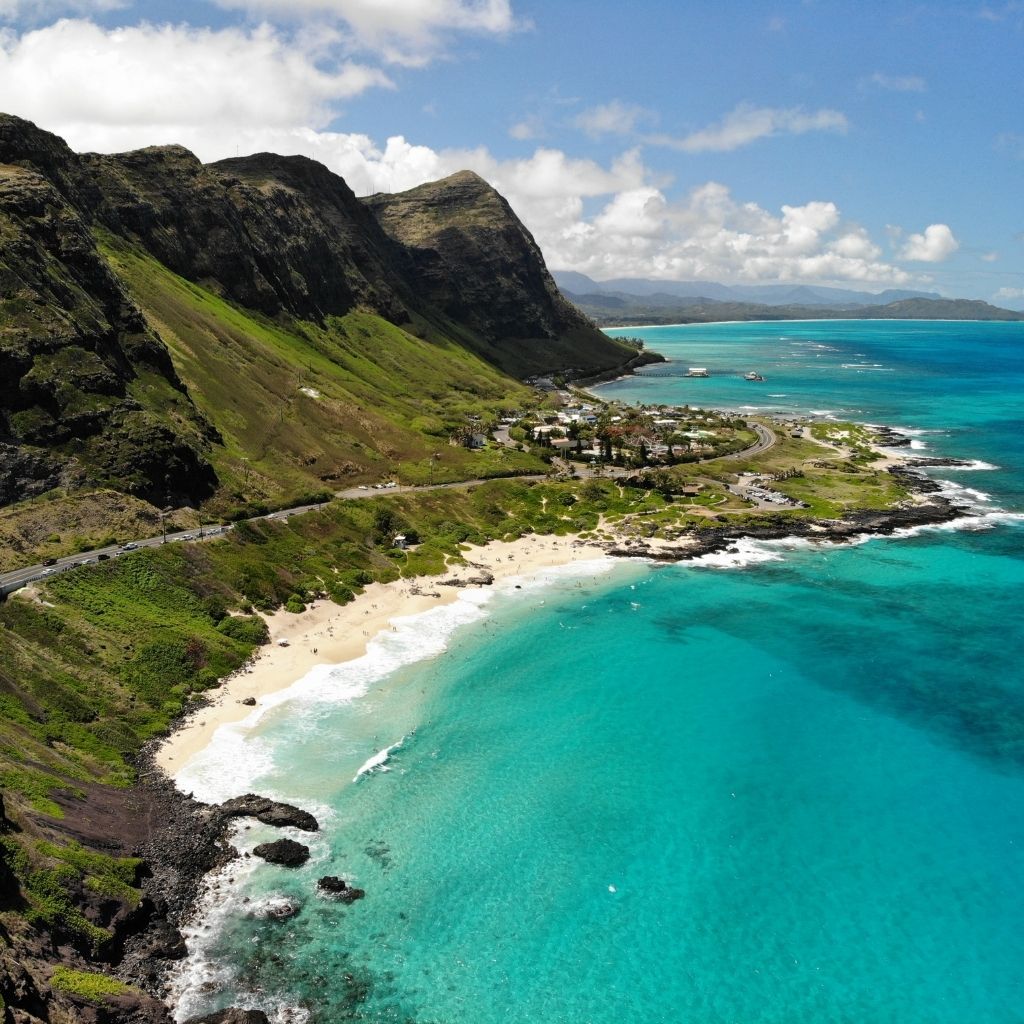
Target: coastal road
x,y
11,581
766,438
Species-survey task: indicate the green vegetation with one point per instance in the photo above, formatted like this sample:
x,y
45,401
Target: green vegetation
x,y
352,399
88,984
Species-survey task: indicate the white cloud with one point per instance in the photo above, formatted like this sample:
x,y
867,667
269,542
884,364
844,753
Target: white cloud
x,y
409,32
528,128
856,244
894,83
748,123
126,87
708,235
614,118
1009,293
989,257
933,246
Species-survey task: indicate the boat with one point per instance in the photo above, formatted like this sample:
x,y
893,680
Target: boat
x,y
753,376
698,371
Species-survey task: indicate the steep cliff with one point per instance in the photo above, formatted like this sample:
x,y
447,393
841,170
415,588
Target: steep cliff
x,y
474,260
249,329
89,391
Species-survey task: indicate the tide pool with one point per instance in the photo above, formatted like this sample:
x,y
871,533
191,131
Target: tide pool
x,y
787,791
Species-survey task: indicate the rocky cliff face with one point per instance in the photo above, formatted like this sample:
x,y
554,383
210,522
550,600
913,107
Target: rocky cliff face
x,y
475,261
90,394
75,351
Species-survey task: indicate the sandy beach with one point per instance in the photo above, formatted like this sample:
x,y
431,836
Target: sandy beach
x,y
330,634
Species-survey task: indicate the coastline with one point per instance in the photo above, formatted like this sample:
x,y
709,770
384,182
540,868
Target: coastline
x,y
194,838
804,320
330,634
327,633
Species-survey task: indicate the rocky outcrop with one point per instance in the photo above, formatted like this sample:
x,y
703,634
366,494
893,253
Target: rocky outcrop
x,y
286,852
472,257
269,812
331,885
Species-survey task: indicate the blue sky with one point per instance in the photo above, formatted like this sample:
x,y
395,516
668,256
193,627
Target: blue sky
x,y
871,145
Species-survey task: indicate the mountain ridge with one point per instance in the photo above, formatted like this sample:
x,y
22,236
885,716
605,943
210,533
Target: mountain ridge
x,y
767,295
108,354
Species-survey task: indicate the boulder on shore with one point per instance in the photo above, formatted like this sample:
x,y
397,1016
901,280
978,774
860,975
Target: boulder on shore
x,y
270,812
283,851
339,889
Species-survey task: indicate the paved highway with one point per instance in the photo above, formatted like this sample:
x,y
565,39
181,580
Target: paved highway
x,y
12,581
765,439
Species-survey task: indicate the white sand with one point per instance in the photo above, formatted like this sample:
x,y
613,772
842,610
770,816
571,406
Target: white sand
x,y
329,633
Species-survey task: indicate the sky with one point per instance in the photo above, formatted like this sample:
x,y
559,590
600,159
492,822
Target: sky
x,y
870,145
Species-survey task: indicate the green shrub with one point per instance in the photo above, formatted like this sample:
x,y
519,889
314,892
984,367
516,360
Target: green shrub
x,y
249,629
295,605
87,984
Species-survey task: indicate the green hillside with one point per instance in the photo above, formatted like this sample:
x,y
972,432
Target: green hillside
x,y
301,406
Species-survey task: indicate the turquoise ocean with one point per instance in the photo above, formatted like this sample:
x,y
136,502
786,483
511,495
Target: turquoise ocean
x,y
781,786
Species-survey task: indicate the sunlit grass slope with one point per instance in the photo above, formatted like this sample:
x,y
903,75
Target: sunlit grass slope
x,y
305,406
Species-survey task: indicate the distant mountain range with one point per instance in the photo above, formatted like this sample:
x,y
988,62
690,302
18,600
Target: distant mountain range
x,y
645,301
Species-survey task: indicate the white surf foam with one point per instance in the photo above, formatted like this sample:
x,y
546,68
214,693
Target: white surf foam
x,y
235,755
739,555
379,761
974,466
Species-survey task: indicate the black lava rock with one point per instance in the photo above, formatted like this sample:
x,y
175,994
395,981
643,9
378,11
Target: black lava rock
x,y
283,851
339,889
270,812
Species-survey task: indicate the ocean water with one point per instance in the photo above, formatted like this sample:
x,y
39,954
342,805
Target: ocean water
x,y
779,787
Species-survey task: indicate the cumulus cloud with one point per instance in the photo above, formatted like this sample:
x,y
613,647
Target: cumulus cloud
x,y
125,87
1009,293
614,118
748,123
894,83
409,32
227,91
709,235
934,245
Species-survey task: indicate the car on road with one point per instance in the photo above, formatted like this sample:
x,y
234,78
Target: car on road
x,y
49,561
130,546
